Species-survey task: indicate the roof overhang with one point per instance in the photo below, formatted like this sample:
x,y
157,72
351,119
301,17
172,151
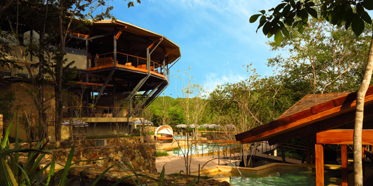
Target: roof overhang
x,y
306,123
172,49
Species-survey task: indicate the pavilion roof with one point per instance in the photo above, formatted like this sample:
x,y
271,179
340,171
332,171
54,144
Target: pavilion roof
x,y
311,114
309,101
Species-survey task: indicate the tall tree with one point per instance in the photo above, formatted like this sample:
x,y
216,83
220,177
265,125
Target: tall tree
x,y
325,56
68,12
338,12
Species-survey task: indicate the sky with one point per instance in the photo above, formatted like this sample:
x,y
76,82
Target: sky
x,y
216,39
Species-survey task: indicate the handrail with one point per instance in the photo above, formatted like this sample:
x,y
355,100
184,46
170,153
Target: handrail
x,y
129,55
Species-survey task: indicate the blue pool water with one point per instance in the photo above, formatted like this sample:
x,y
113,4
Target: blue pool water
x,y
284,176
200,148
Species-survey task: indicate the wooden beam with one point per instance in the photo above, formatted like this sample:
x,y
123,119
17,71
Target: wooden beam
x,y
308,116
344,165
92,84
79,35
330,123
151,45
104,85
319,152
169,52
120,32
343,137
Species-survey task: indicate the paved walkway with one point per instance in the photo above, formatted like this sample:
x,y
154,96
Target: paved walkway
x,y
173,164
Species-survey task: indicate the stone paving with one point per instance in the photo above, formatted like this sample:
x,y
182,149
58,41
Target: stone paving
x,y
173,164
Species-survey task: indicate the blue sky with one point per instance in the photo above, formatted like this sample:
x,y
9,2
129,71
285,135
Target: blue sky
x,y
215,37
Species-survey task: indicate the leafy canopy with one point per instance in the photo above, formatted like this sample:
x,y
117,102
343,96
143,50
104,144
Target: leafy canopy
x,y
295,14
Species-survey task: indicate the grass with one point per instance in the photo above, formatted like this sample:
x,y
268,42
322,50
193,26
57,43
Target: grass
x,y
161,153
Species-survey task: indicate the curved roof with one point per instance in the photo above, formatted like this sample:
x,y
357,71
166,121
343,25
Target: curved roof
x,y
171,48
164,129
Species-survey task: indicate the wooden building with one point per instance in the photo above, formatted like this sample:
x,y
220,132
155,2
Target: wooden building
x,y
319,120
122,69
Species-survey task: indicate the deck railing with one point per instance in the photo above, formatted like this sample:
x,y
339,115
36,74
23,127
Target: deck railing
x,y
94,111
128,59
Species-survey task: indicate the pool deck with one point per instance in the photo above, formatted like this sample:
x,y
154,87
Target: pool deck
x,y
173,164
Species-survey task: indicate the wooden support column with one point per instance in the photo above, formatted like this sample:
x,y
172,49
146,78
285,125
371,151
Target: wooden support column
x,y
283,154
87,54
319,160
115,50
308,151
344,165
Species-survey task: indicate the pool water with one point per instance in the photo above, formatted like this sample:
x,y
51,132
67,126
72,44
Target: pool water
x,y
200,149
284,176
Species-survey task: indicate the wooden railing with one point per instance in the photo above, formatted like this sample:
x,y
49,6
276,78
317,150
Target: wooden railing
x,y
140,62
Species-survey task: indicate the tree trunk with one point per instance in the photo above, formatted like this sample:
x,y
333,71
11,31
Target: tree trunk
x,y
58,115
58,76
358,164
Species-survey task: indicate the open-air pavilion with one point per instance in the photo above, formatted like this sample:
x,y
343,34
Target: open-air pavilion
x,y
319,120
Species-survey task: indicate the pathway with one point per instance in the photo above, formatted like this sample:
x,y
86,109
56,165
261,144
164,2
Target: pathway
x,y
173,164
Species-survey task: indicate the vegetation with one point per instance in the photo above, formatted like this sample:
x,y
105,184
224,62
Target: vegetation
x,y
350,14
15,173
6,104
161,153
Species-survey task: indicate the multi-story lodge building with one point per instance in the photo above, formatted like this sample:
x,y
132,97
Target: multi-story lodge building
x,y
121,68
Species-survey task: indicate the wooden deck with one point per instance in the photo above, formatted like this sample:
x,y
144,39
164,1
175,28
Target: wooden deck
x,y
129,67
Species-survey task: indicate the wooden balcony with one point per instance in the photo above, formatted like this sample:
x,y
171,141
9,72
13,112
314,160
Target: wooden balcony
x,y
137,65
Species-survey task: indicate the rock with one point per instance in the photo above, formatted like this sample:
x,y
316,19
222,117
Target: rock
x,y
224,183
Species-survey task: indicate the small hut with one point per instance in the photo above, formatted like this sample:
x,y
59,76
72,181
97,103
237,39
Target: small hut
x,y
164,133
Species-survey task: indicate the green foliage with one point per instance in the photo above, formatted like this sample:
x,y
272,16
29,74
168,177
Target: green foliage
x,y
295,14
6,104
161,153
324,58
15,173
174,111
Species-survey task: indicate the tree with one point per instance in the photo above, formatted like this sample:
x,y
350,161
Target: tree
x,y
68,12
198,103
324,56
24,16
337,12
164,112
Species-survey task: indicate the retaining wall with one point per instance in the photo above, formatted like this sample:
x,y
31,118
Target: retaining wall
x,y
141,156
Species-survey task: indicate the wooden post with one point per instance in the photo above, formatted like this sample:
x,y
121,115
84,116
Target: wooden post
x,y
319,160
282,154
1,126
87,55
115,51
308,151
344,165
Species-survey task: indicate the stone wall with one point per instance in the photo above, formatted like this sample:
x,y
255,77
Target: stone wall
x,y
141,156
81,143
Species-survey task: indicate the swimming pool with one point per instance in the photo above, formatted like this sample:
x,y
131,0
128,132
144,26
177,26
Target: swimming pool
x,y
282,176
202,148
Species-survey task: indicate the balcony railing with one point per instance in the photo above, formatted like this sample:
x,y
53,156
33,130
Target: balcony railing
x,y
95,111
130,60
75,51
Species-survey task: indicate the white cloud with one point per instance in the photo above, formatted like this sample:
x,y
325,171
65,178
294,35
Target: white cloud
x,y
213,80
